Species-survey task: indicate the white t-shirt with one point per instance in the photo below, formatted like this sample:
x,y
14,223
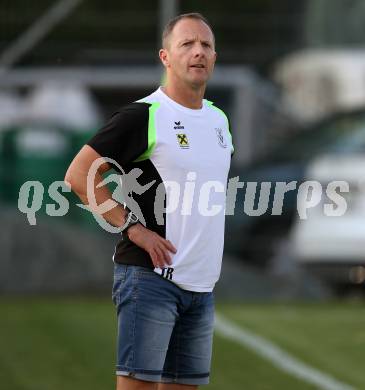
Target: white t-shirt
x,y
187,153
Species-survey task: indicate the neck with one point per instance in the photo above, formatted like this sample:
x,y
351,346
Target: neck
x,y
186,96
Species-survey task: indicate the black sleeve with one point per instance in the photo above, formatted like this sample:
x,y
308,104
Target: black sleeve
x,y
125,136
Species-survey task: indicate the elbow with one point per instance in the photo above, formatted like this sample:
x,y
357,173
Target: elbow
x,y
75,181
71,181
68,179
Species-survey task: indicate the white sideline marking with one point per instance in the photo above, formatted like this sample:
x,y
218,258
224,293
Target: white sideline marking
x,y
277,356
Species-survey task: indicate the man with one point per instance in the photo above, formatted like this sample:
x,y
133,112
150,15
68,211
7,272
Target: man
x,y
165,271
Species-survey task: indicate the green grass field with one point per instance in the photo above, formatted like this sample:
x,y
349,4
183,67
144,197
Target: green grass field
x,y
69,344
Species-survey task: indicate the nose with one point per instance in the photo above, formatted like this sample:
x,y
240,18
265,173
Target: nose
x,y
198,50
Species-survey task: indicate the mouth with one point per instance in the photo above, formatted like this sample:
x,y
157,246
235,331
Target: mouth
x,y
199,66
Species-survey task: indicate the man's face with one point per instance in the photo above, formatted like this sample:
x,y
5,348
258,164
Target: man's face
x,y
189,54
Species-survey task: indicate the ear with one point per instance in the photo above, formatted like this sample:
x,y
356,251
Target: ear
x,y
164,57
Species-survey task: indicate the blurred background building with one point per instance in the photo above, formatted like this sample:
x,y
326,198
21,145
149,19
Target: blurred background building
x,y
291,80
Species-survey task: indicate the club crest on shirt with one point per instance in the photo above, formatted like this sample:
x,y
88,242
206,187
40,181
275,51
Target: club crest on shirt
x,y
221,141
183,140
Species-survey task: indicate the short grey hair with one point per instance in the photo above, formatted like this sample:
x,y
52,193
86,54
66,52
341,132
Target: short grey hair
x,y
172,23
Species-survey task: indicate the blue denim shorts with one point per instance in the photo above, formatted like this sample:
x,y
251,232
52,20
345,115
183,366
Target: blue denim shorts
x,y
165,333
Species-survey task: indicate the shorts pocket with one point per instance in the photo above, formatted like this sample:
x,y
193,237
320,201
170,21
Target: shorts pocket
x,y
120,272
145,272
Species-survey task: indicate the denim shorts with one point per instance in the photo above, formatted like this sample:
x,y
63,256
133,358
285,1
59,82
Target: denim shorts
x,y
165,333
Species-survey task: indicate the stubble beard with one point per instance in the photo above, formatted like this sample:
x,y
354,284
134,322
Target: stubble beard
x,y
197,84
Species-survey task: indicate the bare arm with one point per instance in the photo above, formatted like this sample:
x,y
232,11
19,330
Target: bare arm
x,y
76,178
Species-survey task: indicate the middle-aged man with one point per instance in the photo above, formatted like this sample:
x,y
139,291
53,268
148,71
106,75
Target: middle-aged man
x,y
166,268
